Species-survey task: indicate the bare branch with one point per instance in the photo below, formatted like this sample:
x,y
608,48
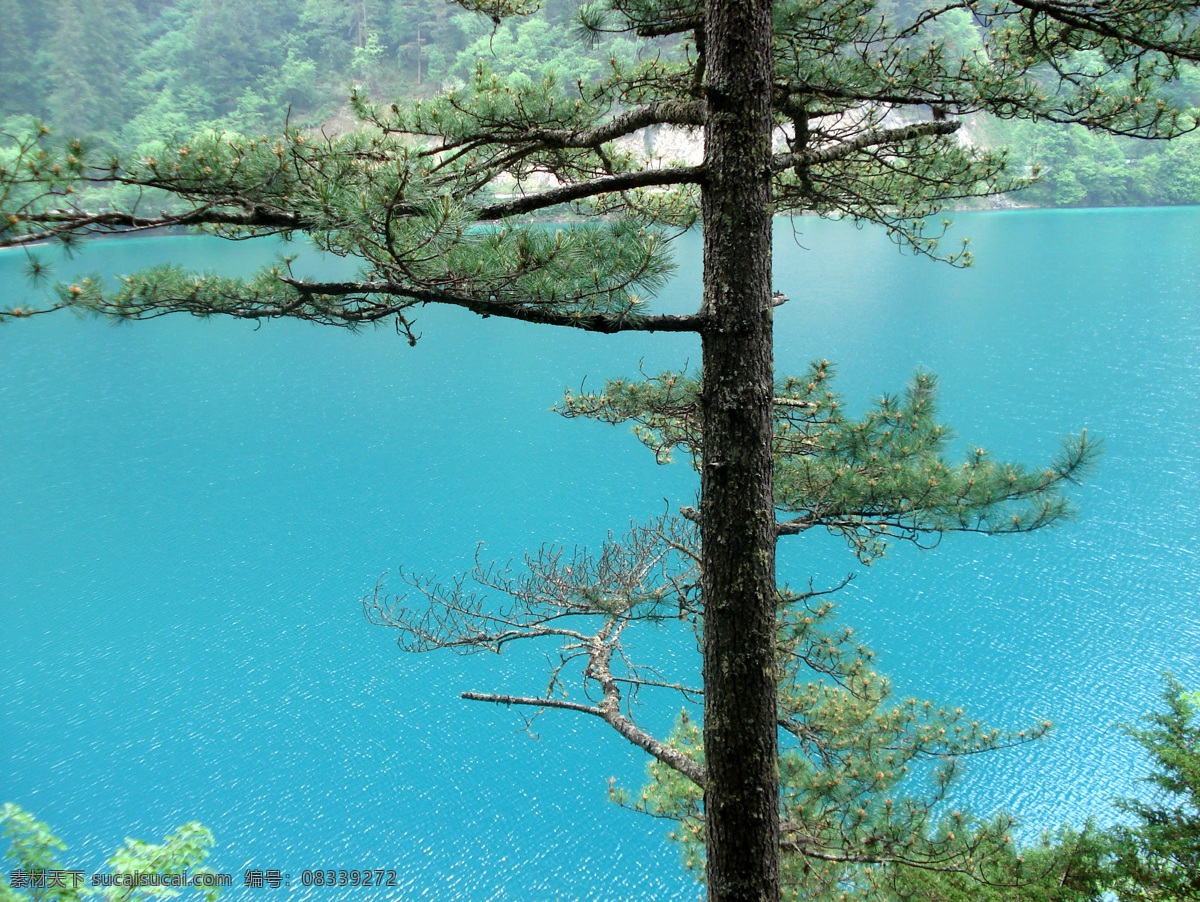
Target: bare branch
x,y
611,715
532,702
608,184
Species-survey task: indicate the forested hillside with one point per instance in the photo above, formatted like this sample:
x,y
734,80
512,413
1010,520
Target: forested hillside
x,y
134,71
131,71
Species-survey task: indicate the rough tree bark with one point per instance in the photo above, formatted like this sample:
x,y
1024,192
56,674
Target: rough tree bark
x,y
737,520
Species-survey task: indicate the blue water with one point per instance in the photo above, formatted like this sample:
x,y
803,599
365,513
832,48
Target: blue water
x,y
190,512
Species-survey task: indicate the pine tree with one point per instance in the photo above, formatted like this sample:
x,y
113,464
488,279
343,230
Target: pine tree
x,y
1158,857
865,100
415,28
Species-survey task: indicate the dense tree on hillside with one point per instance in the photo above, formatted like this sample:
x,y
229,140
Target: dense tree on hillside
x,y
16,61
87,84
425,37
865,104
137,71
254,40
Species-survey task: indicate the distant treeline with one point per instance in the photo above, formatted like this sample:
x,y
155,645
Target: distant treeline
x,y
134,71
131,71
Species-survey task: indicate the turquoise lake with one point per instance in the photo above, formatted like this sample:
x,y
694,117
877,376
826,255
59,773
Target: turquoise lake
x,y
191,511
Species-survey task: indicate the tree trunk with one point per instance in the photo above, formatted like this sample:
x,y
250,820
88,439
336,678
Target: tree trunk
x,y
737,508
418,53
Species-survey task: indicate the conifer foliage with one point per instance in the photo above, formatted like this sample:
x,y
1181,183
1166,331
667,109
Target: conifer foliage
x,y
1157,857
36,871
836,107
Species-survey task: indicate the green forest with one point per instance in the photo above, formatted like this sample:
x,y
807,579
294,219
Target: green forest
x,y
135,73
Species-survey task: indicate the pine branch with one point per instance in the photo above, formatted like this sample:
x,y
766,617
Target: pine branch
x,y
22,312
1096,18
868,139
606,323
84,222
